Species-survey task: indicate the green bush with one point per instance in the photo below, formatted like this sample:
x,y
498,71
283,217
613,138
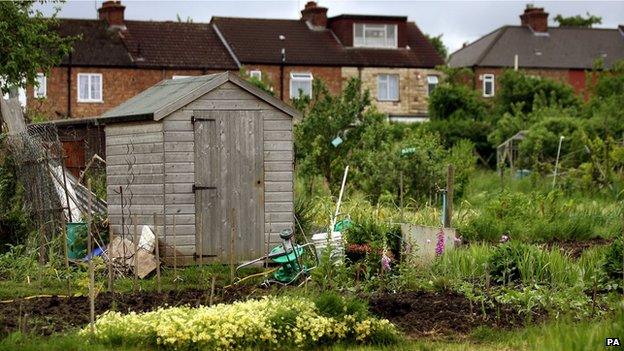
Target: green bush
x,y
517,89
614,260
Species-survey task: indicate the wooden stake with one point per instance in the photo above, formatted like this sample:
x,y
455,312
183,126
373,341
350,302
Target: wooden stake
x,y
156,251
232,242
401,195
110,261
66,253
90,248
175,254
450,179
135,278
212,289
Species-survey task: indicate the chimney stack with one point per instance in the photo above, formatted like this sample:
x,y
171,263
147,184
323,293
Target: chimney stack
x,y
112,12
536,18
315,15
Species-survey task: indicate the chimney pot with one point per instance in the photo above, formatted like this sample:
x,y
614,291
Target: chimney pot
x,y
536,18
315,15
112,12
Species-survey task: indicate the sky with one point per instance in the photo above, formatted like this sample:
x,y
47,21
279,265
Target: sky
x,y
458,21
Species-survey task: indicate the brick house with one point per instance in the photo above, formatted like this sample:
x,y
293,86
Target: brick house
x,y
561,53
389,54
117,58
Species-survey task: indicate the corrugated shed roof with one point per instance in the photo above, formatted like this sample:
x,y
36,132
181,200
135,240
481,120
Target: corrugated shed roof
x,y
170,95
159,96
563,47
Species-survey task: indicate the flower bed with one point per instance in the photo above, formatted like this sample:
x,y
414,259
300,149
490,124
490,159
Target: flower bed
x,y
271,322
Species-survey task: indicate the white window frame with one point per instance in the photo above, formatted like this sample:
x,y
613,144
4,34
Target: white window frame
x,y
89,75
255,73
430,79
179,77
43,87
394,44
299,77
387,76
485,79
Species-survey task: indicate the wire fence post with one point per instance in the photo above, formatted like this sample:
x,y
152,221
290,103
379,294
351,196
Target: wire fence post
x,y
91,273
156,251
136,253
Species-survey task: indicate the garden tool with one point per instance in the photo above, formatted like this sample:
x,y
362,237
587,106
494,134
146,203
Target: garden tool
x,y
293,261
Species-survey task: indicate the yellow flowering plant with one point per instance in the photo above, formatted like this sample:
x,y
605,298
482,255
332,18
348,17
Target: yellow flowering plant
x,y
268,323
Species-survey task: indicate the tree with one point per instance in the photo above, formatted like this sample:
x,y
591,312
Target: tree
x,y
519,90
28,44
578,21
326,118
438,44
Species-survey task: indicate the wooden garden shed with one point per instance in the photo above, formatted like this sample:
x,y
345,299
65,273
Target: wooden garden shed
x,y
216,152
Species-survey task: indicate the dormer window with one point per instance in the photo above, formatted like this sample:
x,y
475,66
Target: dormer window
x,y
375,35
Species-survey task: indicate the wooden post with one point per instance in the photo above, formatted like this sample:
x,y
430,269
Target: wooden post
x,y
156,251
175,254
232,242
110,260
401,196
135,278
66,253
212,289
89,249
201,232
450,178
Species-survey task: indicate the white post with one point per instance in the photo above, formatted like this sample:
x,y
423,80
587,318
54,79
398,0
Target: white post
x,y
515,62
344,181
557,161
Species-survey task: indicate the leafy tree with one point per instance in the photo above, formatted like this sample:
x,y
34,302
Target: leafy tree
x,y
452,100
519,90
438,44
457,112
263,83
28,44
542,141
327,117
578,21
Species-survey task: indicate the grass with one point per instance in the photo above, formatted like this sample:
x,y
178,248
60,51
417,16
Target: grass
x,y
191,277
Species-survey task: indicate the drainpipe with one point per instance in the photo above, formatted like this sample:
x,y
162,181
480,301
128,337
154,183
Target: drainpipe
x,y
282,61
69,85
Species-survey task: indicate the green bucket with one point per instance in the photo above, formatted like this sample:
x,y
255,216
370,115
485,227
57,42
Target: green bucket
x,y
76,240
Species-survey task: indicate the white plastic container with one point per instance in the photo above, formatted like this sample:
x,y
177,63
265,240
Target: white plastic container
x,y
322,241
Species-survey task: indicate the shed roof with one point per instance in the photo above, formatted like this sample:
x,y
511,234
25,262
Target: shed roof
x,y
170,95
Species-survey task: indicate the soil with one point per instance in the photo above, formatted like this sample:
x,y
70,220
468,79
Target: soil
x,y
576,248
47,315
417,314
432,314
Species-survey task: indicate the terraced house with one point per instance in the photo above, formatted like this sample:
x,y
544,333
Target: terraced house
x,y
117,58
562,53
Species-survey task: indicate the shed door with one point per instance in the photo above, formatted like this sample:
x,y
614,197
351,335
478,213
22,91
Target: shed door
x,y
229,185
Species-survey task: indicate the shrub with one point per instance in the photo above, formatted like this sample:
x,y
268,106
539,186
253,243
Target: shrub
x,y
272,322
517,89
614,260
450,100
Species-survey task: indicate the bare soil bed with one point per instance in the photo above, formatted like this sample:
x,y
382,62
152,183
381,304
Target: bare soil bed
x,y
47,315
430,314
